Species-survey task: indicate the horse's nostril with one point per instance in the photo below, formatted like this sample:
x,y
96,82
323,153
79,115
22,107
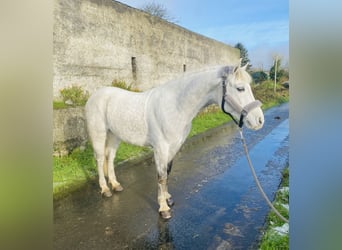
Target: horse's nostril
x,y
260,120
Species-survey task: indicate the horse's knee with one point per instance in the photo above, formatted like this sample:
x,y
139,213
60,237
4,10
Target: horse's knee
x,y
162,180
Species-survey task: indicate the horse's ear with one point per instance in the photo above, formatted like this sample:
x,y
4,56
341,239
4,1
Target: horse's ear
x,y
245,67
238,67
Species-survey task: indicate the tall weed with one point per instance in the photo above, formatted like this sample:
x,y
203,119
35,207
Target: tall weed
x,y
74,96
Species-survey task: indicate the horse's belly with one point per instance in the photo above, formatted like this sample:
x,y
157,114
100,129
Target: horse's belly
x,y
131,131
127,120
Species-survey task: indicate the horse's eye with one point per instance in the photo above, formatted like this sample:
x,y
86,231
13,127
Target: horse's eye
x,y
240,89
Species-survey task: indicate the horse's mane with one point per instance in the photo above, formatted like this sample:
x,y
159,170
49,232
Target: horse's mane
x,y
237,74
234,73
189,76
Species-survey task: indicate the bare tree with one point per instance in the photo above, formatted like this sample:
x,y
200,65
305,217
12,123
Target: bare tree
x,y
159,10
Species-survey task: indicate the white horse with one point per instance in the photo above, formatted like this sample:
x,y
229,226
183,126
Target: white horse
x,y
161,118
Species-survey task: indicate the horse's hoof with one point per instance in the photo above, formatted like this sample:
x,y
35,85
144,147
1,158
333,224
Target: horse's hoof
x,y
107,193
118,188
170,202
166,215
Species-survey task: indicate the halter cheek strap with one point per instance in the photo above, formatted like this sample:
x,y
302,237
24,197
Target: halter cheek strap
x,y
236,106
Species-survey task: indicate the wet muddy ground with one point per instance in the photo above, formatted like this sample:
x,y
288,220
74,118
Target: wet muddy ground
x,y
217,204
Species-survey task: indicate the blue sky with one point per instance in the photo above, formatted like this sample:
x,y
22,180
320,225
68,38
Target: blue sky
x,y
262,26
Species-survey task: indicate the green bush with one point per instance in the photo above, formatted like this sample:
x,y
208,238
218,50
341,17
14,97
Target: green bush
x,y
74,96
124,85
259,76
265,93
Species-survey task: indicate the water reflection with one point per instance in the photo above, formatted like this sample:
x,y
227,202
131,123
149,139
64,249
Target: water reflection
x,y
165,239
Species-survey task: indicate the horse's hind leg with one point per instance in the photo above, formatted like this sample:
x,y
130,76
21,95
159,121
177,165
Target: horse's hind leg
x,y
99,152
112,145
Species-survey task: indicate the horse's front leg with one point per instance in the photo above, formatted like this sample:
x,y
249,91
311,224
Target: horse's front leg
x,y
163,194
164,208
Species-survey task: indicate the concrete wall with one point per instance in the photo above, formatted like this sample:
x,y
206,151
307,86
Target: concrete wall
x,y
69,130
97,41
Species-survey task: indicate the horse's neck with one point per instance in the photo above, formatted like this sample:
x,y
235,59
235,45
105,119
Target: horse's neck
x,y
195,96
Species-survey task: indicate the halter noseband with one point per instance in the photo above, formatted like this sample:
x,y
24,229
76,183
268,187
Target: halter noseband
x,y
237,107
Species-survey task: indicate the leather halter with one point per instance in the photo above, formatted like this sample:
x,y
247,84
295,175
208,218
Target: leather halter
x,y
243,111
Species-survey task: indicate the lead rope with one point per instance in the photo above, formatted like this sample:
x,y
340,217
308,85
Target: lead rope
x,y
257,181
244,111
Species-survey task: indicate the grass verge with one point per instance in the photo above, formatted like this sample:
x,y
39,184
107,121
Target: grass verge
x,y
276,234
265,93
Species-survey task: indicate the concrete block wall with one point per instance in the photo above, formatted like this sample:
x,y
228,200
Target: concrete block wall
x,y
98,41
69,130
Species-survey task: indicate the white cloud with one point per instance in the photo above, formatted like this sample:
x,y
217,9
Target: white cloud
x,y
261,39
262,56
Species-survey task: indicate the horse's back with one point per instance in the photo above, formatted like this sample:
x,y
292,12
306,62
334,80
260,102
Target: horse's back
x,y
97,103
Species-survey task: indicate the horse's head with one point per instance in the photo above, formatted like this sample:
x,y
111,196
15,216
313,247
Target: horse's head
x,y
238,99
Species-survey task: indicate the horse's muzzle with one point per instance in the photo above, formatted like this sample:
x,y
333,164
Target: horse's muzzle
x,y
255,119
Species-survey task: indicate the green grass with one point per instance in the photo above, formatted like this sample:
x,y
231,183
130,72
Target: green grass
x,y
59,105
265,93
73,94
128,151
205,121
271,239
73,170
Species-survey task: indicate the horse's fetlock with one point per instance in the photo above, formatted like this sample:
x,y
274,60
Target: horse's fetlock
x,y
164,207
162,181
